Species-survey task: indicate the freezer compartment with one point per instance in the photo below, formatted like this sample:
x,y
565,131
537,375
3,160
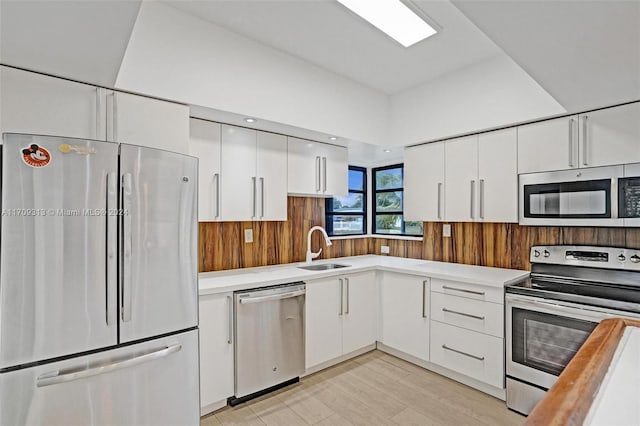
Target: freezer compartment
x,y
151,383
269,337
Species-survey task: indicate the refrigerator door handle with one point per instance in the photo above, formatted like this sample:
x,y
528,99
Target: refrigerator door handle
x,y
127,247
112,247
57,377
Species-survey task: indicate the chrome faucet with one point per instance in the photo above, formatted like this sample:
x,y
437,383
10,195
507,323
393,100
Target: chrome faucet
x,y
311,255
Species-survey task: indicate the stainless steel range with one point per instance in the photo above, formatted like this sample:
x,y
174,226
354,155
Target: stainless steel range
x,y
549,316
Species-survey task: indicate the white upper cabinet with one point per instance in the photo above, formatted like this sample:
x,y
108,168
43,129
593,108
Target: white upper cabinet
x,y
38,104
424,182
253,178
461,178
204,143
498,176
238,179
468,179
139,120
271,171
548,145
610,136
317,169
605,137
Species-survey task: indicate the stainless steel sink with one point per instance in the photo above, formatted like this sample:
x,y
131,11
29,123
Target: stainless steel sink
x,y
323,266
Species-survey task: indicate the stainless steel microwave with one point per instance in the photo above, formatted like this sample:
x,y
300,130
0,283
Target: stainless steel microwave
x,y
599,196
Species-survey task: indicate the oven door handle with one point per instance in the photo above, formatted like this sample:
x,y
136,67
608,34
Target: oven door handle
x,y
560,307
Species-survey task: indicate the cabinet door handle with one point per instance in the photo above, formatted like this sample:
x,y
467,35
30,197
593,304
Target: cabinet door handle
x,y
341,296
324,174
479,358
571,142
261,197
115,117
255,202
479,293
472,198
98,111
348,290
585,143
462,313
439,200
424,296
216,177
318,174
230,328
481,198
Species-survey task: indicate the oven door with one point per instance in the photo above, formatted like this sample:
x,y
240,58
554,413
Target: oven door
x,y
543,336
587,197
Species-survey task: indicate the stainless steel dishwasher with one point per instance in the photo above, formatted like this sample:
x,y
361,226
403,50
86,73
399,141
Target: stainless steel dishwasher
x,y
269,339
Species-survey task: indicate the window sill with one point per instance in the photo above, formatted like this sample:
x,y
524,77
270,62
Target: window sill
x,y
386,237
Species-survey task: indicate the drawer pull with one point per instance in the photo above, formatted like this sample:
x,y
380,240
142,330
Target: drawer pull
x,y
479,293
462,313
479,358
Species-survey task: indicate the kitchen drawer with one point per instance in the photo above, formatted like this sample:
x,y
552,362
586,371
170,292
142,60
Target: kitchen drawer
x,y
474,315
470,353
470,291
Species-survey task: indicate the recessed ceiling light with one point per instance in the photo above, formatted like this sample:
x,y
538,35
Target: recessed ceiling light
x,y
250,120
333,138
393,18
387,150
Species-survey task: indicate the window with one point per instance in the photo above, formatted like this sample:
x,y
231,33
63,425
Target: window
x,y
348,215
388,205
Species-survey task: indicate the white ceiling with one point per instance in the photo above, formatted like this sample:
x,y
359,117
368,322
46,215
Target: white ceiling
x,y
586,54
326,34
80,40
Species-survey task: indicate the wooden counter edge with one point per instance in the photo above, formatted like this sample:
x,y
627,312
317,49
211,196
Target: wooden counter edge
x,y
570,398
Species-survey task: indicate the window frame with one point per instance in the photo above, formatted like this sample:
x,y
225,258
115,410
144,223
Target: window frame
x,y
374,211
329,213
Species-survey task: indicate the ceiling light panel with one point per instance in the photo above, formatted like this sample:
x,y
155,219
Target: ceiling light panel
x,y
393,18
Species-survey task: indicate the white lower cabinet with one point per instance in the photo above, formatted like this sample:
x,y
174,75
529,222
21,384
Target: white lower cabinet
x,y
340,316
473,354
467,330
405,313
216,350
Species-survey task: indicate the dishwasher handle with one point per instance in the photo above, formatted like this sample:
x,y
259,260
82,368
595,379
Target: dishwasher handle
x,y
258,299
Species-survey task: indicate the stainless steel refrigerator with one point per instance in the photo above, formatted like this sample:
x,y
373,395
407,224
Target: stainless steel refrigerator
x,y
98,284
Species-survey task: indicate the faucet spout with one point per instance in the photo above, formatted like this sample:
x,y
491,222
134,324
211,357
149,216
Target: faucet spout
x,y
311,255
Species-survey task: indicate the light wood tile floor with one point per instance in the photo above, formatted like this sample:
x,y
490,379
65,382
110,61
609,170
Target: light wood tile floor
x,y
373,389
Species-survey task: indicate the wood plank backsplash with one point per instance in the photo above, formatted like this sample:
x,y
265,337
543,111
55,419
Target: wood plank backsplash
x,y
504,245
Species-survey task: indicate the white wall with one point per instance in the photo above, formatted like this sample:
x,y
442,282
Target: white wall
x,y
492,93
176,56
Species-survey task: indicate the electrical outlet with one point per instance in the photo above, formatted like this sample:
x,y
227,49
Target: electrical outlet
x,y
248,235
446,230
384,249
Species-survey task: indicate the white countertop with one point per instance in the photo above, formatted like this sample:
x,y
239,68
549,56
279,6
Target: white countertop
x,y
241,279
618,399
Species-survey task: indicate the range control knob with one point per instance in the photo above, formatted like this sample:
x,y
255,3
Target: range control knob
x,y
536,253
635,258
621,257
546,253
